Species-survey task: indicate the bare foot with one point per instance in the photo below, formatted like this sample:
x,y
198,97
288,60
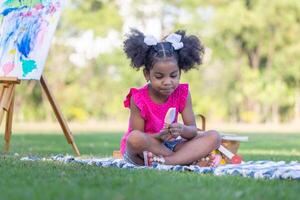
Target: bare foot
x,y
212,160
150,158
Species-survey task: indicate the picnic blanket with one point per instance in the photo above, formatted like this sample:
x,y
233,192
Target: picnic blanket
x,y
254,169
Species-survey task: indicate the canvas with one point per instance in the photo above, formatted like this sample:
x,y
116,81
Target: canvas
x,y
26,30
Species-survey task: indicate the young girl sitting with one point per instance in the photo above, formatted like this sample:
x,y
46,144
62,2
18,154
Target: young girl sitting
x,y
148,138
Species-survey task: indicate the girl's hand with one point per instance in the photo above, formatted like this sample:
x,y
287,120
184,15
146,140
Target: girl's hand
x,y
170,132
164,134
176,129
166,137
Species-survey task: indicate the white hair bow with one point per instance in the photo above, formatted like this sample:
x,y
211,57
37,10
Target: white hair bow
x,y
173,38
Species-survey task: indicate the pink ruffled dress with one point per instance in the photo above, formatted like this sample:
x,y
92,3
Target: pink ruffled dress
x,y
154,113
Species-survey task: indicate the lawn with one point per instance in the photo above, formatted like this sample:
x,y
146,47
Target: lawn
x,y
41,180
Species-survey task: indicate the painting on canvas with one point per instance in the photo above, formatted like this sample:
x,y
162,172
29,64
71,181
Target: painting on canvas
x,y
26,30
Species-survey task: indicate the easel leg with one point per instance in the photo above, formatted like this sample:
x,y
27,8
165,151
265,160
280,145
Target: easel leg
x,y
2,94
7,92
8,124
59,115
4,100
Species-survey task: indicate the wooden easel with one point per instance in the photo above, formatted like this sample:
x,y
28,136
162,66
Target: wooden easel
x,y
7,93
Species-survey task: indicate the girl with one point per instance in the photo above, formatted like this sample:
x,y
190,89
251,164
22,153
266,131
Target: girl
x,y
145,141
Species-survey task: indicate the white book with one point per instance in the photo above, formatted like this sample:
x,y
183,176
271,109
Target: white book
x,y
234,137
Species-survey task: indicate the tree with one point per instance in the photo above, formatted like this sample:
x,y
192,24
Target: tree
x,y
254,35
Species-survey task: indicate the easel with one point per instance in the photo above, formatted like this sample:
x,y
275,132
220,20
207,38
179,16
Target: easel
x,y
7,93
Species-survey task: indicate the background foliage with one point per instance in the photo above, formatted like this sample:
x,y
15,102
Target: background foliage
x,y
251,71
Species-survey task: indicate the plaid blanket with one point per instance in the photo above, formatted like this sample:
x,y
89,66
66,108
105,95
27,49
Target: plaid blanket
x,y
253,169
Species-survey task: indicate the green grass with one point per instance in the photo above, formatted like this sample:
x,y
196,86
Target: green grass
x,y
42,180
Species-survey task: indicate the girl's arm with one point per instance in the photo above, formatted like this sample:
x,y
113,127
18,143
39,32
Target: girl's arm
x,y
188,130
135,120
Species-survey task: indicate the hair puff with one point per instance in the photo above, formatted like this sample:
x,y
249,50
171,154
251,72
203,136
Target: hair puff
x,y
135,48
191,54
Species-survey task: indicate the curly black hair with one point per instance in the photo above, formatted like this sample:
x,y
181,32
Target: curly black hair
x,y
142,55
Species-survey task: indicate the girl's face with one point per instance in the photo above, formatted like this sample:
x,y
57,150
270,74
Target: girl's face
x,y
164,77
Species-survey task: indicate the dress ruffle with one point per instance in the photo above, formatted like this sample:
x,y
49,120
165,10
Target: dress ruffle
x,y
138,100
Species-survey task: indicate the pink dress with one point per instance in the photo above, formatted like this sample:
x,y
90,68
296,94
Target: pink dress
x,y
154,113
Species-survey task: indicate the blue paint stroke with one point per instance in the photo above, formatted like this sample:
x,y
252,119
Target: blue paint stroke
x,y
24,46
26,38
7,11
28,66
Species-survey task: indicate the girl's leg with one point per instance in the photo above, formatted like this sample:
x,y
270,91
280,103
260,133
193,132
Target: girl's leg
x,y
138,142
194,149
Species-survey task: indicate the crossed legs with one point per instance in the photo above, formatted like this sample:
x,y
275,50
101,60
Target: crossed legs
x,y
138,142
184,153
